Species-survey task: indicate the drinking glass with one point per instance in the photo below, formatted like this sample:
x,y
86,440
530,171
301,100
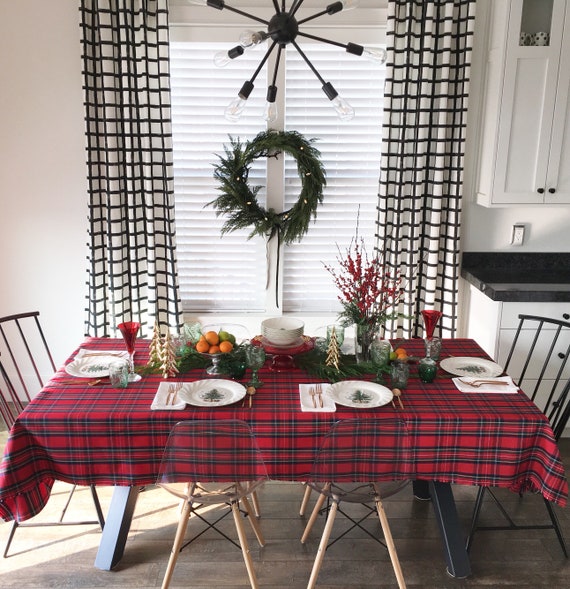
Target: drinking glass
x,y
255,359
380,355
129,330
432,344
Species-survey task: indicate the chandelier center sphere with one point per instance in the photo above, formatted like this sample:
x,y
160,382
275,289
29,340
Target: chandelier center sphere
x,y
283,28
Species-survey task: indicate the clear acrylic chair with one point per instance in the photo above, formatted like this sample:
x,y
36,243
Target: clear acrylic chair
x,y
537,360
26,363
209,462
354,457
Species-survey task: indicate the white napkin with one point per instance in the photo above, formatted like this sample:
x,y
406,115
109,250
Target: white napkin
x,y
509,388
159,401
329,405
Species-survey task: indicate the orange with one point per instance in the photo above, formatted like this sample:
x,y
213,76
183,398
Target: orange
x,y
401,353
212,338
214,350
226,347
202,346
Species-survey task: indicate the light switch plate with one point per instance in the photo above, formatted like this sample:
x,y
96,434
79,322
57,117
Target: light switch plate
x,y
517,237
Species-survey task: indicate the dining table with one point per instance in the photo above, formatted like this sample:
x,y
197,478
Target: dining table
x,y
87,434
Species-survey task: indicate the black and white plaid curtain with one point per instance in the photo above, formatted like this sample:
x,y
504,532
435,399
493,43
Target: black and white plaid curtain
x,y
427,86
132,261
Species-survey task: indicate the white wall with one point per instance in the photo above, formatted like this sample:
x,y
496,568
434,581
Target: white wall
x,y
43,202
43,191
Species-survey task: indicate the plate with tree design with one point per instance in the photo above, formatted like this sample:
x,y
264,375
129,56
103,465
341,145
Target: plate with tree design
x,y
466,366
360,394
211,392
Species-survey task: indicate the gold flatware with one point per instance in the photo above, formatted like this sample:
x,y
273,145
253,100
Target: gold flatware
x,y
319,393
86,355
479,382
312,392
250,391
398,393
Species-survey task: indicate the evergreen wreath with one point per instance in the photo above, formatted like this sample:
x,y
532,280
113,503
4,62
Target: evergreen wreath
x,y
239,201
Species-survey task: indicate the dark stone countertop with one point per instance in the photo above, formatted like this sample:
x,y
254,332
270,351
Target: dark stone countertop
x,y
526,277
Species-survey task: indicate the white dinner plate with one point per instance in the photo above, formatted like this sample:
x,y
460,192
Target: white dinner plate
x,y
90,367
471,367
212,392
360,394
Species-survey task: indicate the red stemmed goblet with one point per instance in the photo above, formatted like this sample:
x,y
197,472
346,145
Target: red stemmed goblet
x,y
431,318
129,330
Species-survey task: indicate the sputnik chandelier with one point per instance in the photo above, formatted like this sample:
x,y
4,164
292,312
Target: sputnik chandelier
x,y
282,30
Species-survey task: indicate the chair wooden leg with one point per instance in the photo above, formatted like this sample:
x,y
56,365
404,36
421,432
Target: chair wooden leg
x,y
305,500
315,513
323,546
253,521
178,540
255,502
244,546
390,544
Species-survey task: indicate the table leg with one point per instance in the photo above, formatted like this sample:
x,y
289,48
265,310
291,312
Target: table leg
x,y
456,556
117,527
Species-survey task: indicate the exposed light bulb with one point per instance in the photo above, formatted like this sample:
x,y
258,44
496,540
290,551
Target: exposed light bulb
x,y
249,38
221,59
271,110
343,109
349,4
378,54
234,109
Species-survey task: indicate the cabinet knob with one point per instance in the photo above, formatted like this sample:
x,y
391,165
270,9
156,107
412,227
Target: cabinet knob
x,y
565,316
540,190
552,190
561,355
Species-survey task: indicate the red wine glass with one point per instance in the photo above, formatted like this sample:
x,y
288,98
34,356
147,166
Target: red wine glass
x,y
129,330
431,319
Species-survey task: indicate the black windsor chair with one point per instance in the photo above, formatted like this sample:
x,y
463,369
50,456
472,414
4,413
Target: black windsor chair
x,y
26,363
538,361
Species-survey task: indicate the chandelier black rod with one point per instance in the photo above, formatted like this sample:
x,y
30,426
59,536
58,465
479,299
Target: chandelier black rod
x,y
276,68
221,5
294,7
262,62
308,62
347,46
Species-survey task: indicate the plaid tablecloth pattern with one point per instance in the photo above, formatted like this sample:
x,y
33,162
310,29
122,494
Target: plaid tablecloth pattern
x,y
105,436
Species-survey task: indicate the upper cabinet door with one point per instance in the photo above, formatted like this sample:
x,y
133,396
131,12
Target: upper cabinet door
x,y
528,161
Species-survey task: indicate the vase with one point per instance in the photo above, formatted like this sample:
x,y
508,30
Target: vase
x,y
364,336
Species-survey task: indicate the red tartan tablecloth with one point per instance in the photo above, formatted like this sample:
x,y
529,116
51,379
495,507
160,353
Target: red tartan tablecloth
x,y
105,436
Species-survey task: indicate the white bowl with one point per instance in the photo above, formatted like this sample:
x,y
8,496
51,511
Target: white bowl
x,y
282,331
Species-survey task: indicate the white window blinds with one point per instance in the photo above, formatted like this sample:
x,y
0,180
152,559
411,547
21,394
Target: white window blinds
x,y
229,273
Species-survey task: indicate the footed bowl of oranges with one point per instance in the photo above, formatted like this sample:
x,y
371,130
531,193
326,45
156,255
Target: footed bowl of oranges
x,y
219,342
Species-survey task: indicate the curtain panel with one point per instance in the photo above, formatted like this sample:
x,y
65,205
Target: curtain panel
x,y
425,113
132,260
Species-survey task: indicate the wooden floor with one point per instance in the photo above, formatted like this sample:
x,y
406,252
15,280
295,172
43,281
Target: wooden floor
x,y
64,557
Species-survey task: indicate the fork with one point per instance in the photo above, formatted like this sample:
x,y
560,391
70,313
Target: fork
x,y
478,383
319,393
312,392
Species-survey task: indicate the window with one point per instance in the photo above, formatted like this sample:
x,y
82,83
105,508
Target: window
x,y
229,274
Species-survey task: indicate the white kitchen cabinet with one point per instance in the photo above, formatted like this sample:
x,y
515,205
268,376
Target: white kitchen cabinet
x,y
524,155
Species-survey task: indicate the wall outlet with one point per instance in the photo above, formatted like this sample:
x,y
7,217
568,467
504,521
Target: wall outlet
x,y
517,236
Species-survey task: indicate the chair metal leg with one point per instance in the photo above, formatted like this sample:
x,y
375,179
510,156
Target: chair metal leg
x,y
390,544
322,546
315,513
15,525
556,526
244,546
178,539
